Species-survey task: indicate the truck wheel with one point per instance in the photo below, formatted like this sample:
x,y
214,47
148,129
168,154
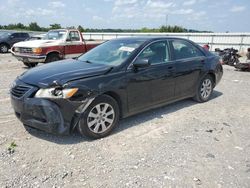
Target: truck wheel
x,y
4,48
100,118
52,57
30,65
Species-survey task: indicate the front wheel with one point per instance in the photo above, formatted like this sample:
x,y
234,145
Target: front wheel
x,y
100,118
52,57
4,48
30,65
205,89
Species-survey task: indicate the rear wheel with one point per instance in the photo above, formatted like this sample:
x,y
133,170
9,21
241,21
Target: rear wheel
x,y
205,89
52,57
4,48
100,118
30,65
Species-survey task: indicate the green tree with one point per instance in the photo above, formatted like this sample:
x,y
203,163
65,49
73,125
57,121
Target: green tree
x,y
55,26
20,26
33,26
80,28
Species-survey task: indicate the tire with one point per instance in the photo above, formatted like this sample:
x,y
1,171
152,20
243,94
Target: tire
x,y
4,48
205,89
30,65
96,123
52,57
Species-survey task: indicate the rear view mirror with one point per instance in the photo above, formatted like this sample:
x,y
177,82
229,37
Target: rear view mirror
x,y
141,63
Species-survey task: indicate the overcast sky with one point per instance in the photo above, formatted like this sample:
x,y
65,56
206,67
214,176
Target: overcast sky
x,y
214,15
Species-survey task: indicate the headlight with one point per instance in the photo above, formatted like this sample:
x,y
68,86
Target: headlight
x,y
16,49
56,93
37,50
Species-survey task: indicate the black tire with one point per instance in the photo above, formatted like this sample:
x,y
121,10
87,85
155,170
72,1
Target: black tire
x,y
4,48
86,119
52,57
30,65
199,96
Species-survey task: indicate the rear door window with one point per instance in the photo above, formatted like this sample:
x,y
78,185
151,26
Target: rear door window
x,y
183,50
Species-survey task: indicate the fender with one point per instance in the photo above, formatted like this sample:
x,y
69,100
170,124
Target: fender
x,y
54,49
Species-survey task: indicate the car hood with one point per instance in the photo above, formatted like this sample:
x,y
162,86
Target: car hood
x,y
37,43
2,38
61,72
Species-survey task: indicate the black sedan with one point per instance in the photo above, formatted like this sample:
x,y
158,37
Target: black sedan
x,y
117,79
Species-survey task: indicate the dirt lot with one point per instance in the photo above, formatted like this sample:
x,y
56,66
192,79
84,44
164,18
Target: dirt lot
x,y
185,144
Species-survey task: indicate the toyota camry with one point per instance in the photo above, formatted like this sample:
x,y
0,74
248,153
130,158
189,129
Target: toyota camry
x,y
115,80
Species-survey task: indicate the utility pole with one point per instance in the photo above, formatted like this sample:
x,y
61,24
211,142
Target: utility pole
x,y
166,20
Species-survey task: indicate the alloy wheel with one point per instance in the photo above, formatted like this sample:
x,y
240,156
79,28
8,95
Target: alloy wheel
x,y
4,49
100,118
206,88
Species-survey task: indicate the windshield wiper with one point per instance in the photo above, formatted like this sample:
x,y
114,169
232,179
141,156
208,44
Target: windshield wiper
x,y
87,61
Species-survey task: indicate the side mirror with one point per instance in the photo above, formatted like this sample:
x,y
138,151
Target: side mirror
x,y
68,40
141,63
11,36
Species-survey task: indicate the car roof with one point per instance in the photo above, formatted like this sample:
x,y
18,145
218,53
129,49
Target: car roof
x,y
151,38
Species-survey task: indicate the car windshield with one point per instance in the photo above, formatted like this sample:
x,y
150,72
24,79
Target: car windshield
x,y
4,34
55,35
112,53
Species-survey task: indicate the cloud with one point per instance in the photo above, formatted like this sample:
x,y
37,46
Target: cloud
x,y
238,8
189,3
97,18
125,2
142,9
197,16
183,11
38,12
56,4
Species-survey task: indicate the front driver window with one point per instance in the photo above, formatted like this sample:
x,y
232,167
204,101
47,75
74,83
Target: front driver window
x,y
73,36
156,53
14,35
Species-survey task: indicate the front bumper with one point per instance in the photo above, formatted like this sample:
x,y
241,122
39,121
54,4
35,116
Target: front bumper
x,y
57,117
29,58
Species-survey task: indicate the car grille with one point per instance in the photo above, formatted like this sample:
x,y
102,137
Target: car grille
x,y
25,50
19,91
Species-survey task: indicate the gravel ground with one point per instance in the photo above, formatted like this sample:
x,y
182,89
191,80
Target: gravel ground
x,y
184,144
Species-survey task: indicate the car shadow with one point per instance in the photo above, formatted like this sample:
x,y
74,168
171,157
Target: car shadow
x,y
126,123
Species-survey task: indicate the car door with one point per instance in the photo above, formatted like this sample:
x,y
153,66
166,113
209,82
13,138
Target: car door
x,y
189,61
154,84
74,46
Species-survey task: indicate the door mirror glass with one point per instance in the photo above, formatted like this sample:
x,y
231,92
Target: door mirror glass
x,y
68,40
141,63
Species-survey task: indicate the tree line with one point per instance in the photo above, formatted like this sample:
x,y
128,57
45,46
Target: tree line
x,y
33,26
